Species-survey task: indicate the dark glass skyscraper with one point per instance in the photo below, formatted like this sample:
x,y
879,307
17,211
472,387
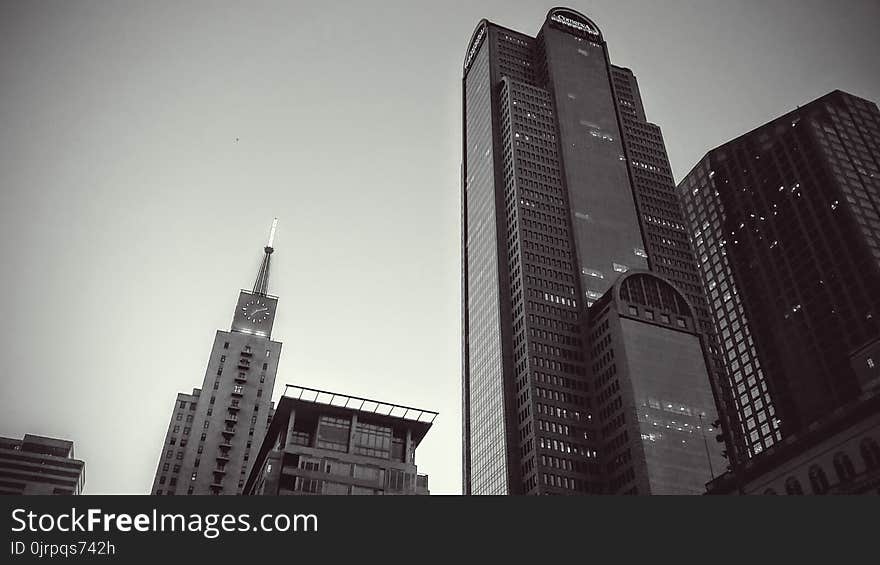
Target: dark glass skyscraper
x,y
786,220
566,190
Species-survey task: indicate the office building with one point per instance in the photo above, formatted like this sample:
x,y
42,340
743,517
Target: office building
x,y
215,431
40,465
333,444
785,223
566,189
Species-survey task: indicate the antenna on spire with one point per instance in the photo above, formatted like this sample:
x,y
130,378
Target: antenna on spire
x,y
261,285
272,234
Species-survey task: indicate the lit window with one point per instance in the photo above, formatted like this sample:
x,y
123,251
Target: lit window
x,y
620,268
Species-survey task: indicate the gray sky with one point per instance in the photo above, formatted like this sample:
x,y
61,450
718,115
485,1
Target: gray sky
x,y
130,216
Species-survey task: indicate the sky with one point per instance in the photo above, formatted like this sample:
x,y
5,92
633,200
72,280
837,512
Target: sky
x,y
146,146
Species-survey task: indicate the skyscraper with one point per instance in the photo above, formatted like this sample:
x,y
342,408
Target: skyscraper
x,y
216,430
566,190
785,222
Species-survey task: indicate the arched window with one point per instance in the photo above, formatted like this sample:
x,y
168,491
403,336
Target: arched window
x,y
769,491
870,452
818,480
843,466
793,486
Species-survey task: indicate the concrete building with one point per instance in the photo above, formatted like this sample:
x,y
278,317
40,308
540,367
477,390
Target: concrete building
x,y
215,431
328,443
837,454
565,188
40,465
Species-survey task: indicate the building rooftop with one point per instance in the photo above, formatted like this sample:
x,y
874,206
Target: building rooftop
x,y
364,405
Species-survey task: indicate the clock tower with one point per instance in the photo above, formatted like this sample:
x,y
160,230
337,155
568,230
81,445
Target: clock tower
x,y
216,431
255,311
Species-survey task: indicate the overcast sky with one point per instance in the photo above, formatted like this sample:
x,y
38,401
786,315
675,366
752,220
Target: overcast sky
x,y
146,146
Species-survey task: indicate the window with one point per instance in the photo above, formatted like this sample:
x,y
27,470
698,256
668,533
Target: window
x,y
308,485
843,467
182,404
649,314
870,452
372,440
633,311
226,345
333,433
818,480
793,486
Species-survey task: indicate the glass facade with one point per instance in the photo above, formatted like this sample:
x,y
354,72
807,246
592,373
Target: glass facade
x,y
756,426
485,406
782,220
550,224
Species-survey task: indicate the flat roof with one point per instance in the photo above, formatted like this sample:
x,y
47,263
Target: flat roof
x,y
358,404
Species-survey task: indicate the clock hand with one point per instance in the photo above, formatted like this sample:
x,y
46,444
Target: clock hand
x,y
259,310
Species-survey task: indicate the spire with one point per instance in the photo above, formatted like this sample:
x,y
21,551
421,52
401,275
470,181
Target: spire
x,y
261,285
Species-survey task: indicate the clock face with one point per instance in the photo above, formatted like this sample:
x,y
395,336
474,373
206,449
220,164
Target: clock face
x,y
256,311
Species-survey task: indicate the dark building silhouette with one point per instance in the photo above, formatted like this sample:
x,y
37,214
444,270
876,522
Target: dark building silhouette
x,y
216,430
565,189
39,465
837,454
333,444
786,227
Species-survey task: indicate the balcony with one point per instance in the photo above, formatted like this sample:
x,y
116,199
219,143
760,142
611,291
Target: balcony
x,y
219,471
234,406
223,456
247,354
228,432
237,391
241,378
231,417
244,366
